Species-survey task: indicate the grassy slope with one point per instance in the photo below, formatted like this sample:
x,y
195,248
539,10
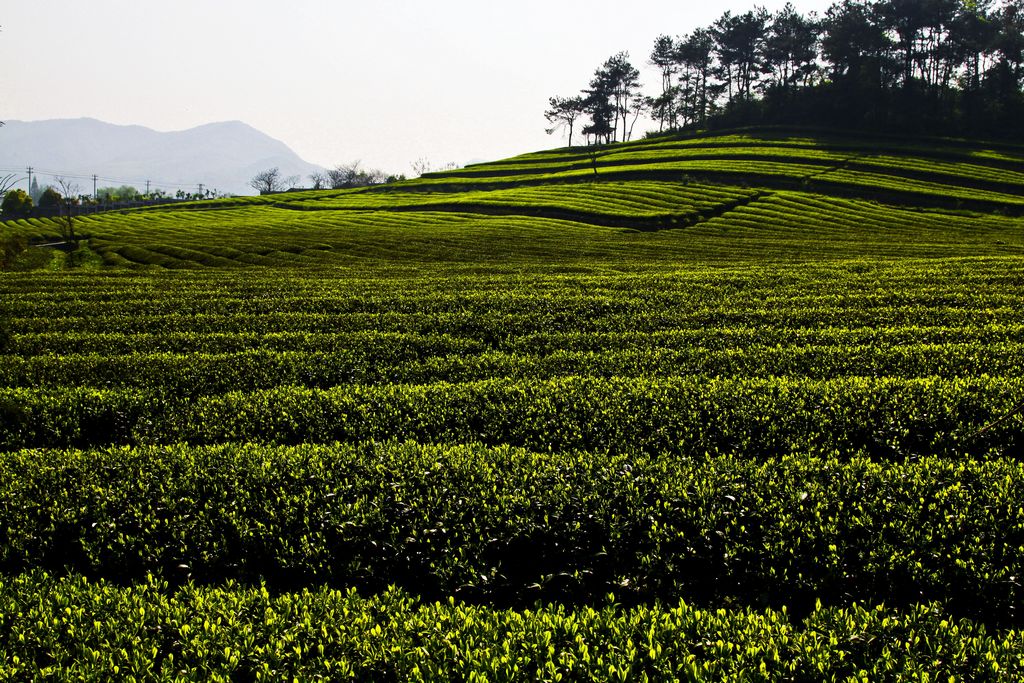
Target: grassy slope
x,y
748,371
664,201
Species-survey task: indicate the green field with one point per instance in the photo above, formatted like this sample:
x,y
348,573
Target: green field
x,y
741,406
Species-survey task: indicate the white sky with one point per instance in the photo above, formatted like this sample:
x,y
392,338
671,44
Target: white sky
x,y
383,81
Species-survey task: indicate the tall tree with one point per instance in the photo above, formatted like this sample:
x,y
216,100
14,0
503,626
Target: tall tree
x,y
943,66
665,108
906,19
1010,41
620,82
66,218
599,108
563,112
791,48
855,43
695,54
609,98
664,57
973,36
740,41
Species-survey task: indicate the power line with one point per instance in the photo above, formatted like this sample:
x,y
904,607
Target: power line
x,y
94,177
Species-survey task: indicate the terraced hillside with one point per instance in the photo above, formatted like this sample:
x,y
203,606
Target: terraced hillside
x,y
661,201
512,423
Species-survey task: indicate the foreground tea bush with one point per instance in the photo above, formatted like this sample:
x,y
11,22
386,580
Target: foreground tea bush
x,y
72,628
506,526
692,416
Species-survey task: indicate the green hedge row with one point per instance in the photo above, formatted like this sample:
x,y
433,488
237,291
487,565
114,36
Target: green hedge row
x,y
73,629
405,344
506,526
974,285
256,369
495,323
886,417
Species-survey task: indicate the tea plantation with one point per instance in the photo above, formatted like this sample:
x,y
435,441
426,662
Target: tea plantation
x,y
744,406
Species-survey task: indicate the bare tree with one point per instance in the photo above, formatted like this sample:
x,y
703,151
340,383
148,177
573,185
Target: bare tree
x,y
319,180
66,217
343,175
421,166
269,181
352,175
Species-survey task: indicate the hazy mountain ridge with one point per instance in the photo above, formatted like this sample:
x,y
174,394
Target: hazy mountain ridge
x,y
221,156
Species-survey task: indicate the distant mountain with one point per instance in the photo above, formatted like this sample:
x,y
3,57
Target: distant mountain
x,y
221,156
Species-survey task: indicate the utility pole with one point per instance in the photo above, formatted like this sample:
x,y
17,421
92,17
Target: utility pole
x,y
30,179
94,186
147,188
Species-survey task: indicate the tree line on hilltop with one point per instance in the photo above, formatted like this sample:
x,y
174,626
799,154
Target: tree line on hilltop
x,y
342,176
951,67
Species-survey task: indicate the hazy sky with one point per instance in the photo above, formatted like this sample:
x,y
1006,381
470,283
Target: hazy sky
x,y
383,81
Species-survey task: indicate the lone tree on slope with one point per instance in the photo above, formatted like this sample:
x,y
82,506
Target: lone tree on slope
x,y
271,180
563,113
66,217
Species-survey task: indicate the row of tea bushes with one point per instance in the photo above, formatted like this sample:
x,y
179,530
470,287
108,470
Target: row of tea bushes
x,y
75,629
681,416
506,526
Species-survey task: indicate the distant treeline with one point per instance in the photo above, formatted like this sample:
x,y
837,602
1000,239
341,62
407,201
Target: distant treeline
x,y
48,202
951,67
